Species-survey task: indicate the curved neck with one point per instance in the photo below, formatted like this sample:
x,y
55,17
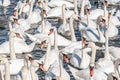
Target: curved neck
x,y
63,13
75,7
82,9
61,64
73,38
11,43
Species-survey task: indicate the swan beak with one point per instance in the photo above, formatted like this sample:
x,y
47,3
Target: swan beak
x,y
65,58
91,71
51,31
18,35
41,67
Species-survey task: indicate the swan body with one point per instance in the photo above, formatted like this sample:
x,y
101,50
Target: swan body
x,y
57,12
20,46
54,3
47,26
80,60
98,75
114,51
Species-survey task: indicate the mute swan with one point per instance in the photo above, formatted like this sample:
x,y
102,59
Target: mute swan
x,y
16,42
88,74
92,34
106,65
64,28
23,67
52,64
57,12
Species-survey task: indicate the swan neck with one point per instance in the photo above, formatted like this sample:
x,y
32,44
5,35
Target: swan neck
x,y
30,12
43,26
73,38
63,13
32,72
105,11
75,7
11,43
88,20
46,4
48,51
107,55
93,47
55,40
82,9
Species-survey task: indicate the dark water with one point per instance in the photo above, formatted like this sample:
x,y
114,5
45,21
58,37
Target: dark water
x,y
37,53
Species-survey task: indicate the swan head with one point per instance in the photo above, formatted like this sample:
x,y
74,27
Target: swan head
x,y
51,31
106,2
28,57
87,9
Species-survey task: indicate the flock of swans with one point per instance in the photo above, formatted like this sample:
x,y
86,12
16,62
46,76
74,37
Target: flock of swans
x,y
95,25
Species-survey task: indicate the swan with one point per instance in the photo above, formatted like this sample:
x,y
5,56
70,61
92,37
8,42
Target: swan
x,y
52,64
19,43
64,28
19,65
106,64
92,34
86,73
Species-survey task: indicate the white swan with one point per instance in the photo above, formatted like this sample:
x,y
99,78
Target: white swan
x,y
52,64
92,74
92,34
106,65
57,12
64,28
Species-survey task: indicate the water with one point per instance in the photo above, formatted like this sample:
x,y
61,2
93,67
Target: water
x,y
37,53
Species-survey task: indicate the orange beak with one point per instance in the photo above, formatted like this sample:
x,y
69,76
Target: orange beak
x,y
41,67
18,35
51,31
88,11
66,58
91,72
